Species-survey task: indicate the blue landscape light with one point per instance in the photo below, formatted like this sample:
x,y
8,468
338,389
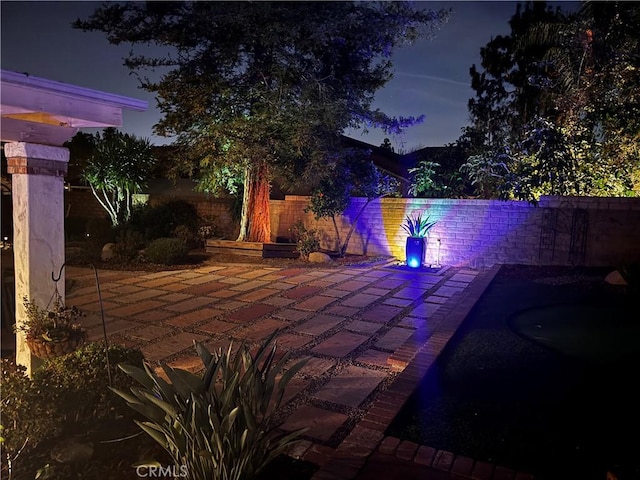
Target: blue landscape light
x,y
415,250
413,262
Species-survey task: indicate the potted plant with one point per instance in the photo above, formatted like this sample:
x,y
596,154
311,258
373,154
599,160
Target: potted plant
x,y
51,332
416,246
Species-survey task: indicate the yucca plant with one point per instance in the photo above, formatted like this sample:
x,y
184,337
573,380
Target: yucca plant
x,y
221,425
418,227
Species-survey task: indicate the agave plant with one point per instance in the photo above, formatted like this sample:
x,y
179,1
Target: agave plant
x,y
221,425
416,226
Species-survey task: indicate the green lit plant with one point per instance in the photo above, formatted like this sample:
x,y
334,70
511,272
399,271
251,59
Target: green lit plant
x,y
423,178
417,226
486,172
222,424
307,240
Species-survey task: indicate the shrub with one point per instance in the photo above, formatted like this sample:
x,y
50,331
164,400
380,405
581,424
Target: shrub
x,y
220,425
83,374
307,240
128,244
168,251
68,390
161,220
186,235
28,415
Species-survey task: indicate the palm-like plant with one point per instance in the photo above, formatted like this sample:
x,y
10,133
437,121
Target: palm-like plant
x,y
221,425
418,227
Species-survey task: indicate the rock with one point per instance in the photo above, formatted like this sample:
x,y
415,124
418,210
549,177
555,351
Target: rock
x,y
108,252
319,257
615,278
71,450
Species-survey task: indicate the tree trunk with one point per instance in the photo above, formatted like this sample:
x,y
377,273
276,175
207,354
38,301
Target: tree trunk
x,y
255,223
343,249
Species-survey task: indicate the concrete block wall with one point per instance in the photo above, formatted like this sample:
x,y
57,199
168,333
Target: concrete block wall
x,y
479,232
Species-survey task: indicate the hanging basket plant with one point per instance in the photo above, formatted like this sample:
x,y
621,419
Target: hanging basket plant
x,y
51,332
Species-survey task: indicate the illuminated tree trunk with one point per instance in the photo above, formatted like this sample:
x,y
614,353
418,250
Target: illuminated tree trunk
x,y
255,223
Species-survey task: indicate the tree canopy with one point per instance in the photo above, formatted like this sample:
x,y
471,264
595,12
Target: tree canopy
x,y
558,104
119,166
254,89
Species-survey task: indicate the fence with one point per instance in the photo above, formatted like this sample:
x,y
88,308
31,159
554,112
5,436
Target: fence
x,y
559,231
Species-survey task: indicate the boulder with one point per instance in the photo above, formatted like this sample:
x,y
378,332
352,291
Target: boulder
x,y
108,252
615,278
319,257
72,450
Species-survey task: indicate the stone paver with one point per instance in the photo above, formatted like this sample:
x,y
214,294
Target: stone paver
x,y
216,326
322,423
318,324
190,304
171,345
351,386
340,344
252,312
394,338
410,293
324,314
187,319
359,326
359,300
381,313
315,303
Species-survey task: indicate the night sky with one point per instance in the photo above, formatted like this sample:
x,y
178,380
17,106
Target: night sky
x,y
432,77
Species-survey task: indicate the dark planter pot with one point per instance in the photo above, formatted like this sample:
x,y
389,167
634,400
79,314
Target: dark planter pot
x,y
415,251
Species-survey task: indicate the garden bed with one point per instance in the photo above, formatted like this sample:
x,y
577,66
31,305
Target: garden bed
x,y
560,408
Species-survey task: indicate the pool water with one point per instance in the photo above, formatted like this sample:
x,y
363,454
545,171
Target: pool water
x,y
542,377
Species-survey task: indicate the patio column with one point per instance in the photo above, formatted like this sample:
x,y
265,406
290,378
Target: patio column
x,y
38,228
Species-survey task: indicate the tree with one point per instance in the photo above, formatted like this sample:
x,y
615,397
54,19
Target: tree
x,y
350,175
568,102
119,167
257,89
506,98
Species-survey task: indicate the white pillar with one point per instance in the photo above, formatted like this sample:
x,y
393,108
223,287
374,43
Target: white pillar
x,y
38,228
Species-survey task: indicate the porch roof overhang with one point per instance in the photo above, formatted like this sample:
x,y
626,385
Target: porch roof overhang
x,y
38,110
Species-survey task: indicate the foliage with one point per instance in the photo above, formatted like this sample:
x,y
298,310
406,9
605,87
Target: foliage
x,y
221,424
423,178
128,244
416,226
487,171
631,273
562,93
84,374
27,415
307,240
55,324
161,220
119,167
249,91
186,235
64,392
168,251
348,174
